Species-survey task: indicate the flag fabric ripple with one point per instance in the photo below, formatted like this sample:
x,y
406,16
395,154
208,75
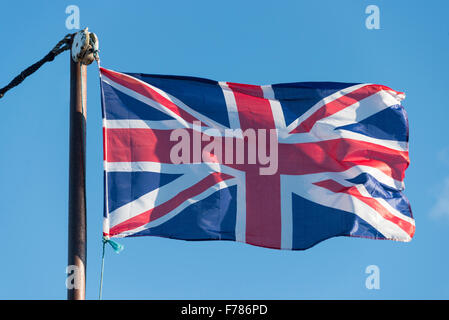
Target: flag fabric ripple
x,y
341,152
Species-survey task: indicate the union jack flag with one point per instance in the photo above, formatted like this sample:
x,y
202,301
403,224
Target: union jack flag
x,y
342,151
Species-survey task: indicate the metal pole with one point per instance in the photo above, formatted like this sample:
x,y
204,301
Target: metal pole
x,y
77,253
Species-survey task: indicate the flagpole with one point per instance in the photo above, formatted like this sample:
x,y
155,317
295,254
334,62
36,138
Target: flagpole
x,y
77,251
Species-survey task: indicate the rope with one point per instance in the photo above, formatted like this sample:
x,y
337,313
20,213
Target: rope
x,y
60,47
117,248
102,270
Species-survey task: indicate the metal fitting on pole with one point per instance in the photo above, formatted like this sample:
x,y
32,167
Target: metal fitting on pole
x,y
85,47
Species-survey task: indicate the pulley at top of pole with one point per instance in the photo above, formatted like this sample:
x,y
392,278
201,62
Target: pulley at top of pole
x,y
85,47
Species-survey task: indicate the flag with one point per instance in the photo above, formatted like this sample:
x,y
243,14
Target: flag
x,y
282,166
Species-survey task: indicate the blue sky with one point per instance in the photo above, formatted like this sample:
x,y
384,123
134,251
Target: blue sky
x,y
258,42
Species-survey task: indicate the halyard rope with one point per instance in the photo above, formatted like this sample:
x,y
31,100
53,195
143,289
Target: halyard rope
x,y
60,47
102,270
117,248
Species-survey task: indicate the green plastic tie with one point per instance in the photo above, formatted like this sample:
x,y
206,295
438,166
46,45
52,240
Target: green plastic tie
x,y
115,245
117,248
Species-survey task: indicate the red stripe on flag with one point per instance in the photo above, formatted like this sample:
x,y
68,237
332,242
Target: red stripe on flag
x,y
145,144
263,192
105,139
168,206
129,145
339,155
373,203
339,104
145,90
